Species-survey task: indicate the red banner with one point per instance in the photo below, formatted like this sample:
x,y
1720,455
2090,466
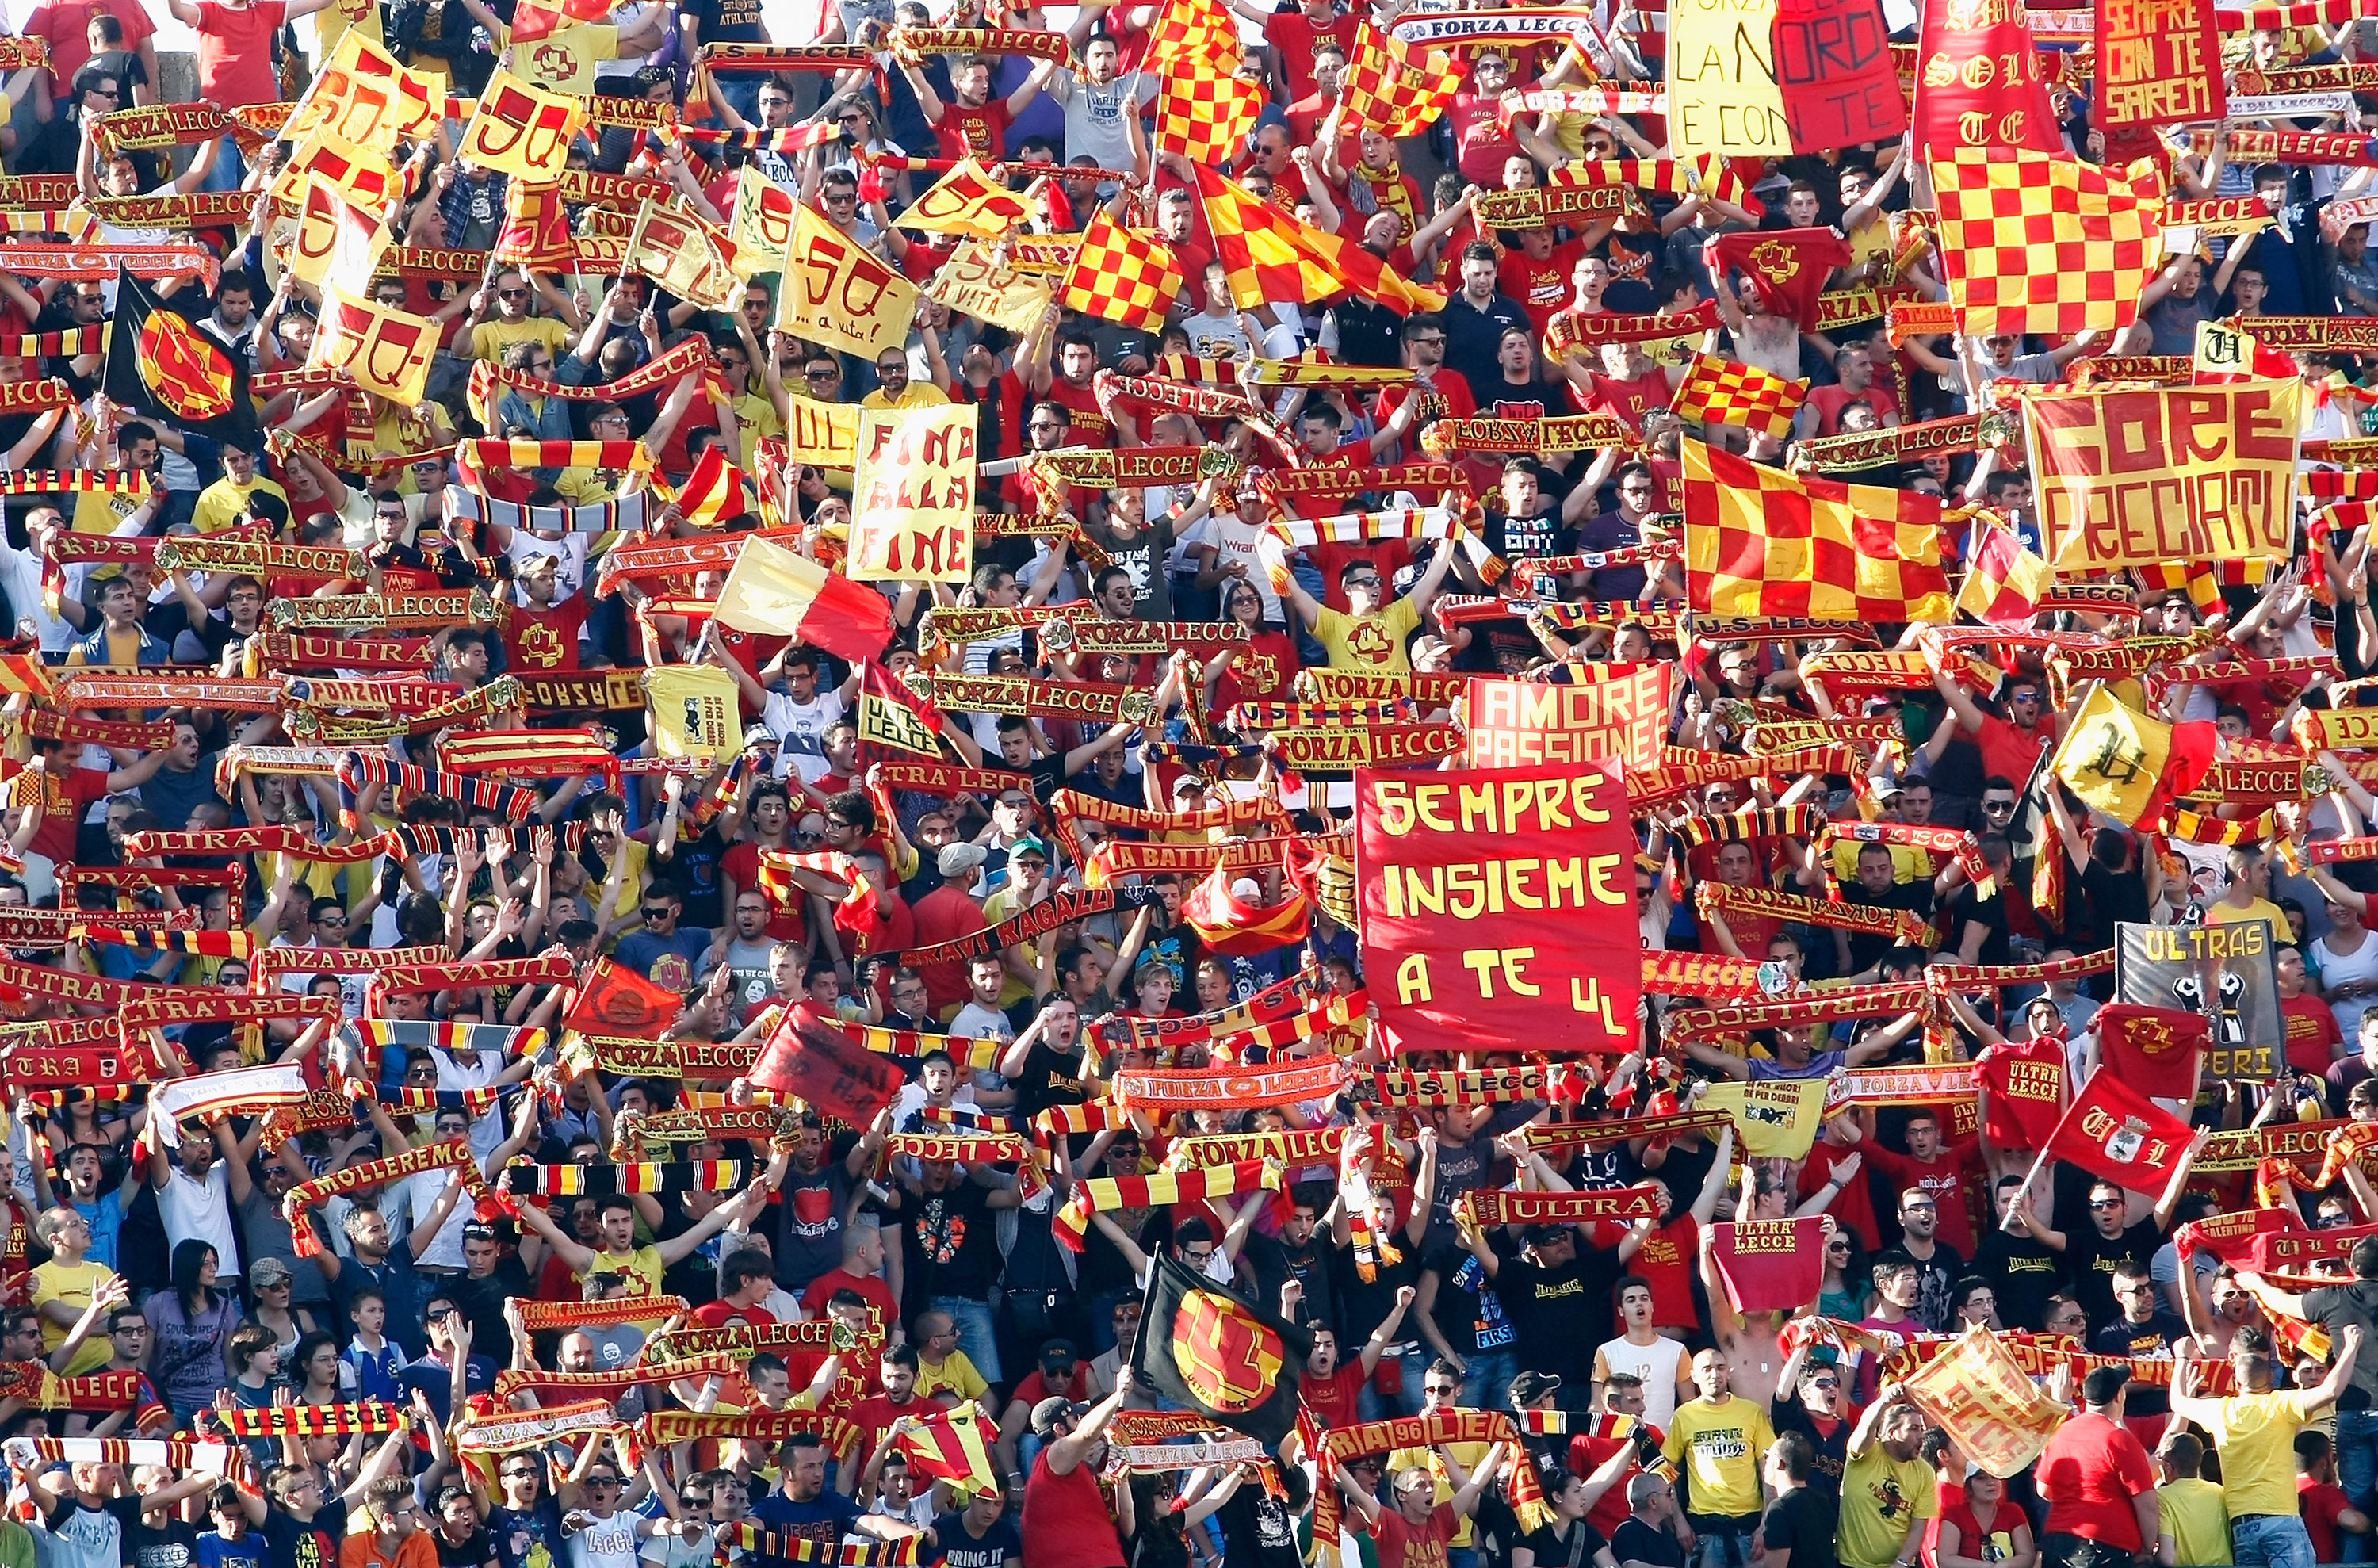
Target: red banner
x,y
1498,908
2158,63
1770,1265
2154,1049
836,1076
1616,711
2120,1135
2026,1092
1977,81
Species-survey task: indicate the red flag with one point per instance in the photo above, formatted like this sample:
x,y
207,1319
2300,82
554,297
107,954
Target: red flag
x,y
2114,1133
2154,1049
836,1076
1788,267
1968,92
1229,924
714,491
1770,1265
615,999
2026,1090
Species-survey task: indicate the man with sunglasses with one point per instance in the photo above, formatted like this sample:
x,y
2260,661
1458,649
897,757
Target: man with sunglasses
x,y
2124,1227
2010,745
510,294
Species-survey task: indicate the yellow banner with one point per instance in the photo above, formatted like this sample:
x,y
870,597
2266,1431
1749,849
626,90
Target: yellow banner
x,y
695,710
365,97
823,435
971,281
912,506
361,175
1721,91
966,200
525,133
2112,757
2131,477
1983,1398
388,352
762,223
1776,1119
835,293
685,256
336,241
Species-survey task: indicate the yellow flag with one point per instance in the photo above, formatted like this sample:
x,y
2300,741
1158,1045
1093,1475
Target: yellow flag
x,y
823,435
520,131
1776,1119
762,223
973,283
683,255
835,293
388,352
694,710
2126,764
966,200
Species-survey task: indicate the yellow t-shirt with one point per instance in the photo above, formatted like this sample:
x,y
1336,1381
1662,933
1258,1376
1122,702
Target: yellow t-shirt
x,y
1880,1497
2220,914
2255,1434
489,339
955,1377
1908,863
642,1266
1371,642
2190,1511
564,61
123,651
221,503
73,1285
95,513
918,394
1719,1447
757,417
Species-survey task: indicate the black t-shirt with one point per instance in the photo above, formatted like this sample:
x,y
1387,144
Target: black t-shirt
x,y
959,1549
1572,1547
1788,1414
1049,1078
1636,1542
951,1249
1990,913
2090,1261
2023,1274
481,1302
2113,897
474,1550
170,1545
1546,1305
313,1543
1362,1305
1258,1530
2333,1306
1866,948
1802,1522
2152,1340
1144,556
695,867
519,1532
1275,1264
1468,1310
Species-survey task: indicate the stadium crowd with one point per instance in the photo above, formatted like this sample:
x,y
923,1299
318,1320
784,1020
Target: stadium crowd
x,y
410,1159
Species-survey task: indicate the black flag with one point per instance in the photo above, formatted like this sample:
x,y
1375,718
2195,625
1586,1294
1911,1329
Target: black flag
x,y
1205,1346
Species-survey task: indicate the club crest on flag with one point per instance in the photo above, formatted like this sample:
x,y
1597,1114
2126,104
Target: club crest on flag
x,y
1227,1356
190,375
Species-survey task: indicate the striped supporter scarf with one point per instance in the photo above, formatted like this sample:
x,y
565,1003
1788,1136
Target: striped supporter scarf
x,y
452,1156
702,1124
1307,716
614,1383
1567,432
513,1431
1296,1149
1261,1042
1072,1121
1809,1006
662,1059
55,928
1283,999
209,1097
1162,1093
358,768
292,650
909,46
1917,1083
1119,858
474,459
1473,1211
123,734
1338,1445
946,779
1769,737
965,1050
1754,822
52,1100
1903,926
34,1384
196,944
1701,975
369,1418
405,611
664,1428
746,1340
1105,1194
1060,908
972,1149
553,968
1660,618
663,371
190,1457
622,514
1557,1141
639,1176
1154,395
528,753
1150,1458
544,1317
73,342
1944,977
754,1542
1436,1088
1965,846
1865,448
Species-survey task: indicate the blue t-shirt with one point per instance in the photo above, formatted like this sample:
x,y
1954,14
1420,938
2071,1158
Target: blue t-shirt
x,y
667,961
105,1218
1823,1064
436,1379
825,1518
215,1551
958,1549
530,1539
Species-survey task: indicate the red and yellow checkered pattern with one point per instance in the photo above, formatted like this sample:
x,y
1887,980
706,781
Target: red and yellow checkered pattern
x,y
1207,111
2004,579
1733,393
2052,245
1759,542
1121,276
1391,90
1272,258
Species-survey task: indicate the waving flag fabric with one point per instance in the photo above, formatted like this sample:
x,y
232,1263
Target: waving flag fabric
x,y
1271,257
1760,542
2045,245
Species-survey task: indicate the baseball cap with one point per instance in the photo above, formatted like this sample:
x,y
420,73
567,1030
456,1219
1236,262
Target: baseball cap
x,y
1529,1387
1050,1411
759,735
269,1271
1027,844
957,859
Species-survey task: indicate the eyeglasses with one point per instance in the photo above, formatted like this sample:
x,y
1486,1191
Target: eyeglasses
x,y
520,1475
1447,1390
688,1498
511,293
1365,582
1998,808
602,1481
2105,1202
804,836
661,913
820,375
540,365
1197,1256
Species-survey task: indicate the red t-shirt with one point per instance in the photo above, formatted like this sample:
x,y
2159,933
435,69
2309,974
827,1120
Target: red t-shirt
x,y
741,861
1450,386
821,1290
1947,1177
2008,751
2091,1471
1091,427
2313,1034
64,798
538,642
235,52
1484,144
1412,1545
1829,402
1065,1519
982,131
726,1315
1541,288
1665,1261
1296,39
2319,1504
1588,1453
1332,1399
874,1417
1852,1207
1629,400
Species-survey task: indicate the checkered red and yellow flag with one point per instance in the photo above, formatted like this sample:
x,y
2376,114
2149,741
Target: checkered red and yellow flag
x,y
1207,110
2004,579
1759,542
1120,276
1393,91
2053,245
1270,256
1733,393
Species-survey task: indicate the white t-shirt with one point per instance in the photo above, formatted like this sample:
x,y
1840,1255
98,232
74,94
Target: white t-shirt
x,y
193,1212
604,1543
1234,539
2344,969
1656,1363
417,1198
1094,118
800,731
474,1070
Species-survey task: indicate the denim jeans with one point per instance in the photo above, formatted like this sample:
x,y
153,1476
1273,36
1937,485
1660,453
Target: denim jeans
x,y
2356,1471
1721,1542
1372,1405
230,168
976,1336
1488,1384
2270,1541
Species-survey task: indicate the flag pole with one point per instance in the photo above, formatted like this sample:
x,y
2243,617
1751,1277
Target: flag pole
x,y
2022,1193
